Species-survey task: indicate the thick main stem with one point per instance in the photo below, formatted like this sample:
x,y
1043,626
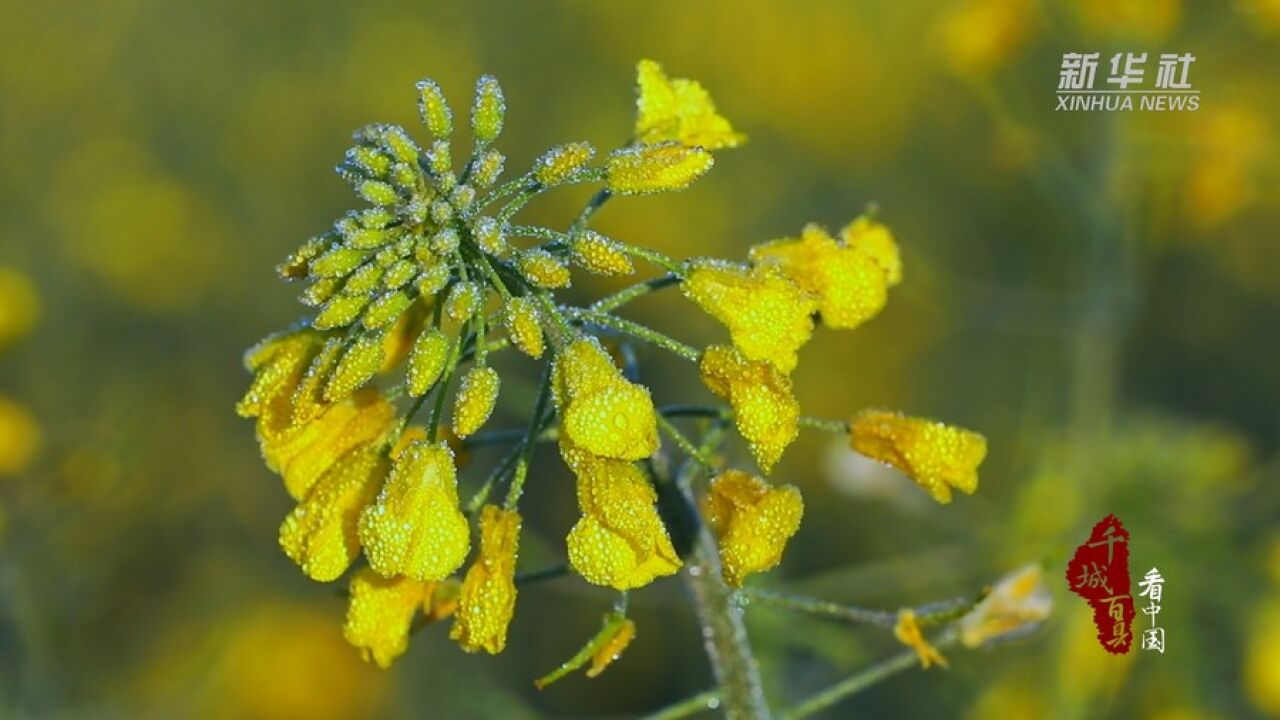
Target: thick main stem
x,y
724,631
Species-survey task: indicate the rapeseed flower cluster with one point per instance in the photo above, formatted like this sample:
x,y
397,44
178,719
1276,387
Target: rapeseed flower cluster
x,y
370,407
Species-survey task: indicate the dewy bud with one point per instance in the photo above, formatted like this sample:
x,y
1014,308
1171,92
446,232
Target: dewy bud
x,y
340,311
432,280
462,302
489,236
400,145
335,262
559,163
488,111
377,192
357,365
598,254
435,112
523,326
487,168
656,168
386,309
426,361
476,398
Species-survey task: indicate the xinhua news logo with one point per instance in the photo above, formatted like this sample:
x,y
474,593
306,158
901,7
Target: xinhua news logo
x,y
1126,87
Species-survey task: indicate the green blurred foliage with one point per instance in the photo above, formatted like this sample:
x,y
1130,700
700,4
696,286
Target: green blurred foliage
x,y
1094,292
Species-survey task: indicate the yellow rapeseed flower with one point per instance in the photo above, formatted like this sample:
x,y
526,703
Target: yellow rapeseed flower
x,y
752,520
415,528
875,240
320,534
850,282
603,413
769,317
620,541
476,398
302,452
680,110
488,597
937,456
646,169
1019,601
380,613
277,364
764,409
908,632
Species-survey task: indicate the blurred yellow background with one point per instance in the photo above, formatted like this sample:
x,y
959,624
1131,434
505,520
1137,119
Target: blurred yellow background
x,y
1095,292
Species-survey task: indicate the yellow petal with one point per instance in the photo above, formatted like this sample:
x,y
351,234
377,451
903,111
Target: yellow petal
x,y
678,110
752,521
646,169
320,533
769,317
937,456
764,409
476,399
380,613
488,597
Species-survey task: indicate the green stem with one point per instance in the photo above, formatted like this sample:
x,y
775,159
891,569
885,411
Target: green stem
x,y
863,680
839,427
595,203
691,450
695,411
709,700
930,614
626,295
530,577
530,440
655,257
442,387
637,330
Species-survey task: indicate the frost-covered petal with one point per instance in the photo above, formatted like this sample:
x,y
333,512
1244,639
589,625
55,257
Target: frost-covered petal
x,y
752,521
320,533
765,410
488,597
939,457
769,317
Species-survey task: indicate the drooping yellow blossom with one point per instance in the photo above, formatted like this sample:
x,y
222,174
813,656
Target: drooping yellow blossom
x,y
20,438
320,534
19,305
937,456
908,632
524,326
598,254
620,541
850,281
359,363
560,162
612,648
543,269
380,613
680,110
1020,600
646,169
476,398
764,409
302,452
488,597
603,413
769,317
277,364
752,521
415,528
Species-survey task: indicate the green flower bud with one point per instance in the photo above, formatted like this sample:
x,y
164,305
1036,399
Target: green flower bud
x,y
488,111
435,112
386,309
426,361
359,362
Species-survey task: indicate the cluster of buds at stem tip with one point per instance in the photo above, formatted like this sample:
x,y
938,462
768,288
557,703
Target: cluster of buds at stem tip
x,y
370,407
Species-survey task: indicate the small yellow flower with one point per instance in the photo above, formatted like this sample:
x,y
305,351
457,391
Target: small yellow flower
x,y
604,413
764,409
678,110
488,597
543,269
1020,600
612,648
850,282
475,401
908,632
320,534
598,254
415,528
302,452
560,162
875,240
937,456
752,521
620,541
380,613
769,317
649,169
524,326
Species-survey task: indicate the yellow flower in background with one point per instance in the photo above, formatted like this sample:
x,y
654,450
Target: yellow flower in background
x,y
937,456
678,110
850,279
380,613
765,410
1019,601
20,437
769,317
908,632
19,305
320,534
415,528
1146,20
752,521
1227,161
979,37
620,541
649,169
603,413
301,453
488,598
1262,657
